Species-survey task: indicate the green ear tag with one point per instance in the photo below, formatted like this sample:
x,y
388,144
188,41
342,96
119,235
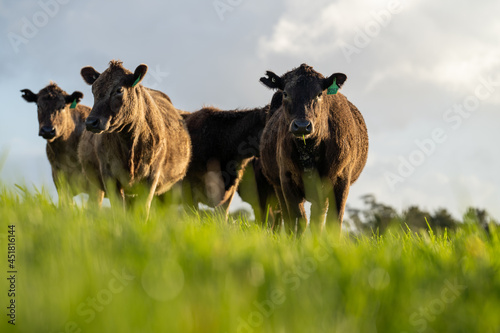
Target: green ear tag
x,y
73,105
334,88
136,81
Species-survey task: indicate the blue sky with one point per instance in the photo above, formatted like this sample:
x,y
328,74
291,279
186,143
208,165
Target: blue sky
x,y
425,74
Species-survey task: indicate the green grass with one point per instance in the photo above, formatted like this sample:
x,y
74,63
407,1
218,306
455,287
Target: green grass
x,y
106,271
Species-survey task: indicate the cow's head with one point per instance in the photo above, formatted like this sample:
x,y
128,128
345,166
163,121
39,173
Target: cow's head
x,y
304,92
54,106
115,92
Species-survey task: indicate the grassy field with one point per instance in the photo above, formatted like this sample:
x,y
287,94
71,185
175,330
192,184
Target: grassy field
x,y
79,270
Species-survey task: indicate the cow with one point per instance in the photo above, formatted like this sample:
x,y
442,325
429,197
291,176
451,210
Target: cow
x,y
223,143
61,121
313,148
140,139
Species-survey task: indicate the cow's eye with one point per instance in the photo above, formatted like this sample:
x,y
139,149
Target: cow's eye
x,y
319,95
285,95
119,90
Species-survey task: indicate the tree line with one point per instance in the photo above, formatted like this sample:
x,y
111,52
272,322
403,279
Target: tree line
x,y
376,217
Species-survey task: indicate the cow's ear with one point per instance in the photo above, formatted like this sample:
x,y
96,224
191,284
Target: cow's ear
x,y
75,98
89,74
276,102
138,75
29,96
272,81
338,78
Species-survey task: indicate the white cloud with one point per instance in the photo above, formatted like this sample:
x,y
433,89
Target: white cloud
x,y
322,27
421,41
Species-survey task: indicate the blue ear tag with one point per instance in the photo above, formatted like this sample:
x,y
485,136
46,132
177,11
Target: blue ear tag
x,y
334,88
73,105
136,81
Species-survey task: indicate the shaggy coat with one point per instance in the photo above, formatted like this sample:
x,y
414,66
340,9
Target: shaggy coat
x,y
313,148
140,139
61,122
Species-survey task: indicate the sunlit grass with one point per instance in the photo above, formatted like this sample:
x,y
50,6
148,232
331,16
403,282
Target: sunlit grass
x,y
109,271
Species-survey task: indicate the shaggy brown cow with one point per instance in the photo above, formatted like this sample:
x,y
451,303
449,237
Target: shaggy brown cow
x,y
61,122
223,143
317,134
141,138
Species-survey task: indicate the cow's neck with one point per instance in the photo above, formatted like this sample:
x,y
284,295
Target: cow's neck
x,y
141,136
69,125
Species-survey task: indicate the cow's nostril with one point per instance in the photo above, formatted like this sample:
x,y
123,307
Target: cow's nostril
x,y
309,127
91,122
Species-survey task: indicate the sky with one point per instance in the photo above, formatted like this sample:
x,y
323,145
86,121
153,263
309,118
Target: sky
x,y
424,74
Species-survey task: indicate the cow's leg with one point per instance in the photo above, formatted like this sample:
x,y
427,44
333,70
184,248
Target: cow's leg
x,y
284,210
267,203
294,199
95,192
63,190
315,193
115,192
96,195
93,183
337,201
261,208
152,191
223,206
189,197
318,215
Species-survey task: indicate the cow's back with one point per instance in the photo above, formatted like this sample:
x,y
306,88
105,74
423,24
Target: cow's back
x,y
361,142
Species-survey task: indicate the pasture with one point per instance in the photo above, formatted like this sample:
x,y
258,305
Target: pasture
x,y
82,270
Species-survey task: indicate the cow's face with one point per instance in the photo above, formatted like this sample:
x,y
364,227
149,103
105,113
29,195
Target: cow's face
x,y
54,106
114,96
304,91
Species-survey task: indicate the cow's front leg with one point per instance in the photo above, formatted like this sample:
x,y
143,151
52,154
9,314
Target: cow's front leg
x,y
294,199
112,187
152,190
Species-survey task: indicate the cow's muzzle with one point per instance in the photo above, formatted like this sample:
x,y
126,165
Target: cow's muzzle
x,y
47,132
300,127
93,124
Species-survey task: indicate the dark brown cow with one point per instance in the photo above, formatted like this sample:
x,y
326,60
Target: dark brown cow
x,y
314,147
141,139
61,122
223,143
